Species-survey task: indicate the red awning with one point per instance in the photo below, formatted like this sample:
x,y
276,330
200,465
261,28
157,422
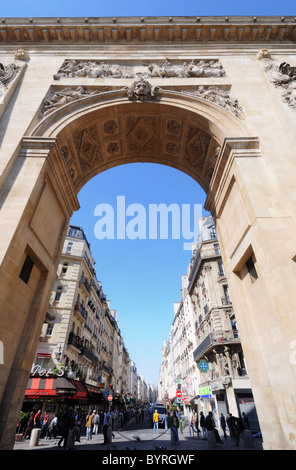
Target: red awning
x,y
55,387
186,400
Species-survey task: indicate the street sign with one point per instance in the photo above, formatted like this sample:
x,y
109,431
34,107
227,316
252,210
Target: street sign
x,y
110,397
178,393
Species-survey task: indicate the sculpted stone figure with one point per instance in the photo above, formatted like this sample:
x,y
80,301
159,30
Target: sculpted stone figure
x,y
64,96
8,73
203,68
194,68
220,97
141,90
92,69
284,76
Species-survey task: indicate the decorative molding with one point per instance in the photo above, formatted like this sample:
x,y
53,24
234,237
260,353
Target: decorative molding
x,y
154,30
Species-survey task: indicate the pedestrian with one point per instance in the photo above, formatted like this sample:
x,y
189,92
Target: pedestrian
x,y
37,418
210,425
53,428
166,422
174,427
89,424
230,423
246,421
68,421
202,421
30,426
238,429
223,424
96,423
106,424
44,425
155,421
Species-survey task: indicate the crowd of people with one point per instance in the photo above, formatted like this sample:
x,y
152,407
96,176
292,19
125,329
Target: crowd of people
x,y
174,421
67,427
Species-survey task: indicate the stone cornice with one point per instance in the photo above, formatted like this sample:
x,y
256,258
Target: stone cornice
x,y
148,30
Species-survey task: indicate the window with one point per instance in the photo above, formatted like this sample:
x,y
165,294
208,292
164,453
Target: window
x,y
58,294
69,247
251,269
26,270
216,249
49,329
64,268
227,297
221,271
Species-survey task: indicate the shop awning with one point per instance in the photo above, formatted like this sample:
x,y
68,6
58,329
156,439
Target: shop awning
x,y
80,387
50,386
186,400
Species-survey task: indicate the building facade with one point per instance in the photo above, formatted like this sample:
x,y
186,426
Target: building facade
x,y
208,360
80,342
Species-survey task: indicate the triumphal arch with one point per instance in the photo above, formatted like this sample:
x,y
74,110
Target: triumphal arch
x,y
213,97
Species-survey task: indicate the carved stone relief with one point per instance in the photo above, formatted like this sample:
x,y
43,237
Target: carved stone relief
x,y
197,144
218,96
87,146
284,76
64,96
8,73
99,69
142,134
142,90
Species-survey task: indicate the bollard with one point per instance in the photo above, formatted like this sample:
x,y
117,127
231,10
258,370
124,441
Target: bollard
x,y
212,439
34,439
248,438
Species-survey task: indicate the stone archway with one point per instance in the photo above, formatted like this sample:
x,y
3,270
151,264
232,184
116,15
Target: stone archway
x,y
94,133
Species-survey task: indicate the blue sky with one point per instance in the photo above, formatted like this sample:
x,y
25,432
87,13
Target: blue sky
x,y
142,278
78,8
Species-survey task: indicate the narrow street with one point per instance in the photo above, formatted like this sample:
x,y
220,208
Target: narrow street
x,y
139,436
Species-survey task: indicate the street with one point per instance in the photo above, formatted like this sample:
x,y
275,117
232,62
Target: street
x,y
139,436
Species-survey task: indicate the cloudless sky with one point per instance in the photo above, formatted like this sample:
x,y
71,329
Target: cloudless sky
x,y
141,278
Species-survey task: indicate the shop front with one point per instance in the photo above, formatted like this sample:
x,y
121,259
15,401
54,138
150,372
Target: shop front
x,y
54,394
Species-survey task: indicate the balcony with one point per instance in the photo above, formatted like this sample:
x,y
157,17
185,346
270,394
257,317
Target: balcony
x,y
216,338
84,282
75,341
79,308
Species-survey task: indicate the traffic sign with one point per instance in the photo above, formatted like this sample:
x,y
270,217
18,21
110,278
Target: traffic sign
x,y
178,393
110,397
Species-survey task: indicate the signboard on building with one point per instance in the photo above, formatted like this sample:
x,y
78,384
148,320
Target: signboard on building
x,y
205,392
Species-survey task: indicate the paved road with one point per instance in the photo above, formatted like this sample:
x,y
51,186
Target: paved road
x,y
140,436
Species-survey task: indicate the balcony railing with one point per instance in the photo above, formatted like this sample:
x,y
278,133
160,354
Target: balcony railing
x,y
85,283
214,339
79,308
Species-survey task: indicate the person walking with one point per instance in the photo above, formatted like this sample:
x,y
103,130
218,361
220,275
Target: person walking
x,y
210,425
223,424
89,424
37,419
53,428
166,422
68,422
246,421
202,421
96,423
106,424
238,429
155,421
30,426
174,427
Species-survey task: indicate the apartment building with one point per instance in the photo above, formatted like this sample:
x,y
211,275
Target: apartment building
x,y
81,357
208,360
